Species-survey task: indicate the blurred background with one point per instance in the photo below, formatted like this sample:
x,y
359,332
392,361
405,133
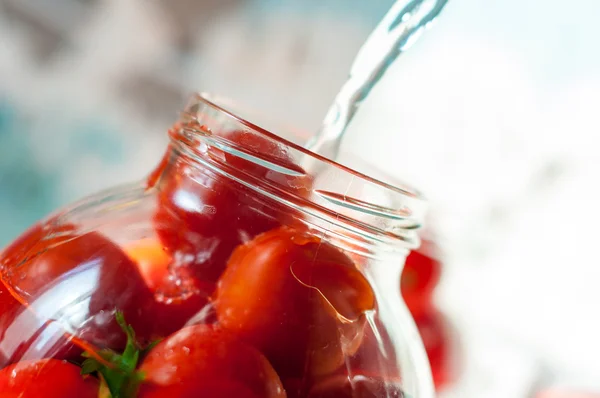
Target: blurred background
x,y
493,114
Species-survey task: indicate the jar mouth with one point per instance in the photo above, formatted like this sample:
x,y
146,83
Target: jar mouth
x,y
341,196
227,106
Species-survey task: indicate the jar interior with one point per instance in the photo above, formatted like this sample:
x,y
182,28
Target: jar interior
x,y
330,194
231,271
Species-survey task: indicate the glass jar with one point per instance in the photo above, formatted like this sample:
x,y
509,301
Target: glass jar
x,y
230,271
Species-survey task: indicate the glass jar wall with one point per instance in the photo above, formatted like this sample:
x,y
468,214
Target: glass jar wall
x,y
230,271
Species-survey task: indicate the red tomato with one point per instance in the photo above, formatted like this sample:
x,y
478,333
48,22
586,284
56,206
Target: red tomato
x,y
201,361
296,298
152,260
180,296
435,335
46,378
9,309
258,146
202,216
372,368
420,276
80,281
24,336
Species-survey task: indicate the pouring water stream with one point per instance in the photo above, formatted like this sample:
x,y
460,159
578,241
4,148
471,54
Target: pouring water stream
x,y
397,31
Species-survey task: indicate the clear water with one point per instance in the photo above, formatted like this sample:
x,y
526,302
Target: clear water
x,y
397,31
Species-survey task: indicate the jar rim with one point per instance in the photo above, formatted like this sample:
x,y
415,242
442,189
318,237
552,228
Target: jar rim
x,y
393,217
213,101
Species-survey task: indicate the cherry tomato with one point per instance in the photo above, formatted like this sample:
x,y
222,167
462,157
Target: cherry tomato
x,y
24,336
258,146
46,378
420,276
202,216
152,260
202,361
435,335
266,150
9,309
180,296
296,298
81,280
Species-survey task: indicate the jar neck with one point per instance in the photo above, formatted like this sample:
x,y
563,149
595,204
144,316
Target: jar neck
x,y
365,215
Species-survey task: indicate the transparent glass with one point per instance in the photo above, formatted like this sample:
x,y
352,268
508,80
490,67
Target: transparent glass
x,y
229,271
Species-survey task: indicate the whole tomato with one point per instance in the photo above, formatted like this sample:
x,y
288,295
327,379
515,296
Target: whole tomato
x,y
179,295
202,361
298,299
46,378
80,281
202,216
435,334
10,309
25,336
420,276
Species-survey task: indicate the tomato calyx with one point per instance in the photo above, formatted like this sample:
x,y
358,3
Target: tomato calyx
x,y
117,372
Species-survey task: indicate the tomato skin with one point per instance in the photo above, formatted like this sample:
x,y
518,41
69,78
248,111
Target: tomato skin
x,y
434,332
151,259
204,360
420,276
10,308
254,145
22,334
46,378
87,277
81,280
179,295
284,291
